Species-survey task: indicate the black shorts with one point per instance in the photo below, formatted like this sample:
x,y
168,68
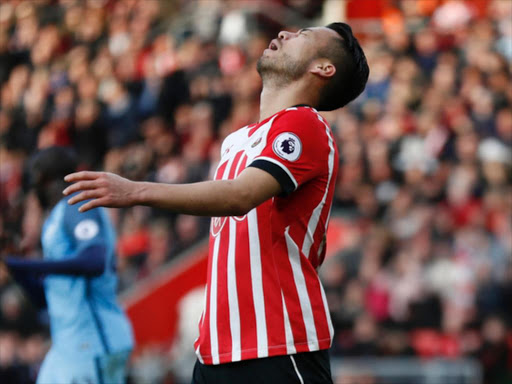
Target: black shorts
x,y
301,368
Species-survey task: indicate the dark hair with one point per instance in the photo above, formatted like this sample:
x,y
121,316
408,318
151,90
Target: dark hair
x,y
45,171
351,69
50,164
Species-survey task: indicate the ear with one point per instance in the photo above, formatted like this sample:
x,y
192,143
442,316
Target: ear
x,y
323,68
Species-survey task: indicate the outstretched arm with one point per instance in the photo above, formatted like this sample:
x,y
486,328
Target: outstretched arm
x,y
90,261
209,198
29,274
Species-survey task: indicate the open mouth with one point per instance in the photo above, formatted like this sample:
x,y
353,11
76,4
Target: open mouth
x,y
273,46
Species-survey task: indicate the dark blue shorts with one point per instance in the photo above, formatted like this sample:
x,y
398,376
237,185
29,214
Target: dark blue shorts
x,y
301,368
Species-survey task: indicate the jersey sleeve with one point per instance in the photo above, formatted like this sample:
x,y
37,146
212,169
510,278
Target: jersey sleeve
x,y
89,261
296,148
84,229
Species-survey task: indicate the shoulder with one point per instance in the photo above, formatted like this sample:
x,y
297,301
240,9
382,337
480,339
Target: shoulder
x,y
304,122
82,224
304,119
300,133
72,212
308,113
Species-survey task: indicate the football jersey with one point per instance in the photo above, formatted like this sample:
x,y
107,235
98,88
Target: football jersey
x,y
263,295
85,317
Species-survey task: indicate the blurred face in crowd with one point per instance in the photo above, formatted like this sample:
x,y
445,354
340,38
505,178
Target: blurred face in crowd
x,y
291,55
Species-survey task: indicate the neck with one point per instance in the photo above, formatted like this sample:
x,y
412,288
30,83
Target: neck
x,y
51,194
276,98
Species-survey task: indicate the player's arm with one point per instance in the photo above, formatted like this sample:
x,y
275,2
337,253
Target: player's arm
x,y
32,284
89,261
209,198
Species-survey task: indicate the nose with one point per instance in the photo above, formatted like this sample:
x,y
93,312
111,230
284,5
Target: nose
x,y
284,35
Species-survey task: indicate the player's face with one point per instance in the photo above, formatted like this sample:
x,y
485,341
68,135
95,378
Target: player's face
x,y
288,57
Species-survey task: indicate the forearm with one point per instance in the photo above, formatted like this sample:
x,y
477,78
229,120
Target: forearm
x,y
89,262
208,198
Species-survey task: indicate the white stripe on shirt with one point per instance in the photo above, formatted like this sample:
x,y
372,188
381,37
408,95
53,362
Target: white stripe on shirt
x,y
213,293
290,343
257,283
315,217
300,284
234,315
214,342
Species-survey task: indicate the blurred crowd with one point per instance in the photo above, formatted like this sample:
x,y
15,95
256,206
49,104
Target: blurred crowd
x,y
425,185
149,89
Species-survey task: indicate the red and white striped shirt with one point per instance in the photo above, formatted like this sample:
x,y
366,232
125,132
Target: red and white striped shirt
x,y
263,295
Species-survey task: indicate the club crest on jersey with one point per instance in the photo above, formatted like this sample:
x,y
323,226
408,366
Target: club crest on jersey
x,y
287,146
256,143
226,151
86,229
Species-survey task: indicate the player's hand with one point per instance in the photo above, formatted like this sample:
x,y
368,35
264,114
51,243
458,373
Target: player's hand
x,y
102,188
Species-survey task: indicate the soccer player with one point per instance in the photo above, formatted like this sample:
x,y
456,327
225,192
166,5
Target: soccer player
x,y
91,336
266,318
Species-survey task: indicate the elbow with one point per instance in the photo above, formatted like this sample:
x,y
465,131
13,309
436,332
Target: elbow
x,y
94,260
241,203
240,208
97,269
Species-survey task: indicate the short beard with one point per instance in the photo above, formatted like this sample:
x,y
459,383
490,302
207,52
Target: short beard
x,y
281,71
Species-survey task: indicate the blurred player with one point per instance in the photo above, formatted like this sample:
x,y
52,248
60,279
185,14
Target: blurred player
x,y
266,318
91,336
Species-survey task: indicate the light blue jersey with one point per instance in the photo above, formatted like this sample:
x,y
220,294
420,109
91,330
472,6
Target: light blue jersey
x,y
86,321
